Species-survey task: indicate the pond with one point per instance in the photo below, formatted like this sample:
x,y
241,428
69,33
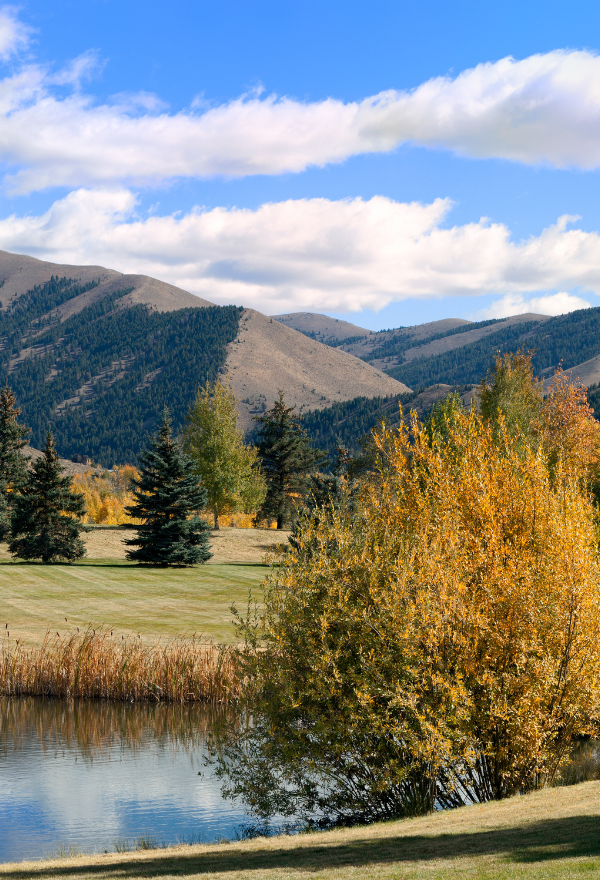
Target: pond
x,y
97,776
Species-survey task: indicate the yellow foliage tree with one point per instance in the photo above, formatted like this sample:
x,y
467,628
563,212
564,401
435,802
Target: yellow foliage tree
x,y
435,639
228,466
107,495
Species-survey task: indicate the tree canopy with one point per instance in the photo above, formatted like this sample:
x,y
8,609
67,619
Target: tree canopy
x,y
46,516
227,466
13,464
287,460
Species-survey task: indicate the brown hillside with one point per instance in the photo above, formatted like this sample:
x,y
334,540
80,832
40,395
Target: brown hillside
x,y
588,373
322,326
458,340
418,333
268,356
70,467
19,273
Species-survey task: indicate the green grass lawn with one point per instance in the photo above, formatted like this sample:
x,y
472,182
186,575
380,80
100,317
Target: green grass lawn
x,y
128,598
549,835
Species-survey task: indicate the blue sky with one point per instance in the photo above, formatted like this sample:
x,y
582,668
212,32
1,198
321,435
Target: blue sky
x,y
239,150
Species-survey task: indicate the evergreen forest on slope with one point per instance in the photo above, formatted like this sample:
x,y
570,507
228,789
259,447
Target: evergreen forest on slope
x,y
101,378
570,339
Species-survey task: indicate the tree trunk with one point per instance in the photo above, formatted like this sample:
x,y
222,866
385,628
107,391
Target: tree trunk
x,y
216,526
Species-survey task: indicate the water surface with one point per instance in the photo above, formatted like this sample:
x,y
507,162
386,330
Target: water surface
x,y
92,775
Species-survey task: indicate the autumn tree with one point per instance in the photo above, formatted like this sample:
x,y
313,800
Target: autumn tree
x,y
107,495
558,418
227,466
287,460
436,640
570,431
46,518
511,391
168,496
13,464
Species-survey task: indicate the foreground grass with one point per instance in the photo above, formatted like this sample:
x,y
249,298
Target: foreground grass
x,y
553,834
156,603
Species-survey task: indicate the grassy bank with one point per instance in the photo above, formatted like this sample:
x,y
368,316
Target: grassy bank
x,y
552,834
154,603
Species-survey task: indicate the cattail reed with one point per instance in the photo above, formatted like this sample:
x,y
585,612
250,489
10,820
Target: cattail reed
x,y
97,665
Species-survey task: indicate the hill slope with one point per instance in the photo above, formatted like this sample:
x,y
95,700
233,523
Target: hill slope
x,y
96,354
331,331
266,356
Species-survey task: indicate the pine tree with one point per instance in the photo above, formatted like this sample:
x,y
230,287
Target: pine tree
x,y
168,495
287,460
223,461
13,464
46,518
329,489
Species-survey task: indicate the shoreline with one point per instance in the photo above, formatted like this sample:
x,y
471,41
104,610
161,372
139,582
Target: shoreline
x,y
548,833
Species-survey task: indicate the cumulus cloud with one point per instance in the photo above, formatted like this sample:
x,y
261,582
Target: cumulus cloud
x,y
541,109
311,254
550,304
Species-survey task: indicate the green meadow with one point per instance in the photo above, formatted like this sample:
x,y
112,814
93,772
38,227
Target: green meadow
x,y
129,599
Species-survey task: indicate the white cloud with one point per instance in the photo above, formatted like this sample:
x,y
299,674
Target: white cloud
x,y
312,254
542,109
550,304
14,35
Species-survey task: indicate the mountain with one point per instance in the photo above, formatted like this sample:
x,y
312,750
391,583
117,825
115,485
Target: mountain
x,y
266,356
331,331
96,354
458,352
455,357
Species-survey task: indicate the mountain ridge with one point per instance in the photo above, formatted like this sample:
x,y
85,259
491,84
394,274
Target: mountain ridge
x,y
95,354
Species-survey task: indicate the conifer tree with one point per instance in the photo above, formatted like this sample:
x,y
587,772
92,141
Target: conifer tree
x,y
287,460
168,495
46,518
226,465
13,464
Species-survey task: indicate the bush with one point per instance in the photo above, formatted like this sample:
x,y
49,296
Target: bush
x,y
434,638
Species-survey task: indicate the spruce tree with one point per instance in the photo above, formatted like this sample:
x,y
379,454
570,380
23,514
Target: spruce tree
x,y
46,518
168,495
287,461
13,464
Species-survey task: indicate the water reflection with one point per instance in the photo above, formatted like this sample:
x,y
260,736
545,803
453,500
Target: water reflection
x,y
91,774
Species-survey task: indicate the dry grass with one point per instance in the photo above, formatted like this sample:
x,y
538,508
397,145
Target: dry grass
x,y
552,834
98,665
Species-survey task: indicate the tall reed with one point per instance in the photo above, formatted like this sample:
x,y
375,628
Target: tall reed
x,y
95,664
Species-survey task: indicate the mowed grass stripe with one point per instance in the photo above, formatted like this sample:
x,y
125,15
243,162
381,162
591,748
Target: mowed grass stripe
x,y
156,603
